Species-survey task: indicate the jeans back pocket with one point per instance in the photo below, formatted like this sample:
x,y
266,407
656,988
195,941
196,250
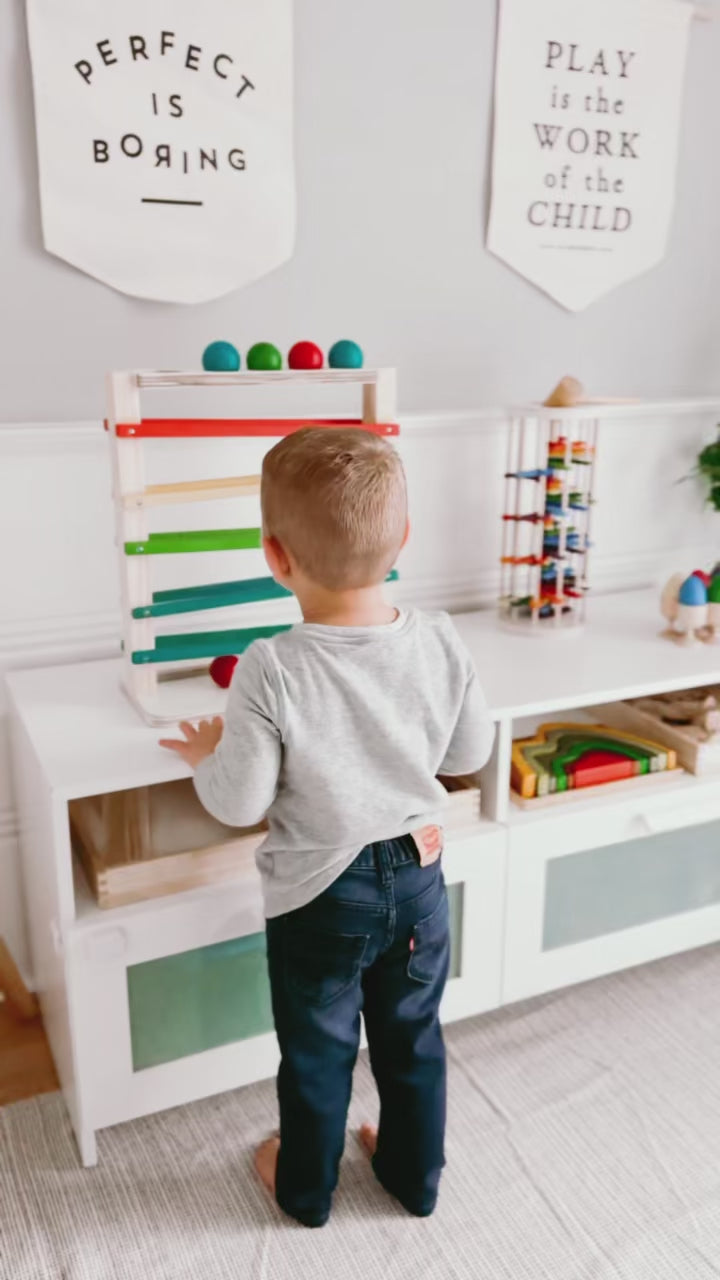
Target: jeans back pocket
x,y
321,965
430,945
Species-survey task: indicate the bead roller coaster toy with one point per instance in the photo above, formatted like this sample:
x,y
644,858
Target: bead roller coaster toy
x,y
165,673
549,496
546,517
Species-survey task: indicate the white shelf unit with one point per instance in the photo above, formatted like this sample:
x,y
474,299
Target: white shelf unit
x,y
616,877
540,900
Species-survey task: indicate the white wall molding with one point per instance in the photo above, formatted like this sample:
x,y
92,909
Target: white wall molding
x,y
86,636
49,437
94,633
9,825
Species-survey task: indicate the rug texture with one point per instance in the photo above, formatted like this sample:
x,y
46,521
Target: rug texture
x,y
583,1144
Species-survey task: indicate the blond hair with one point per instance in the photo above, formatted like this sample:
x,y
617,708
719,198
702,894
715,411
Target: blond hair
x,y
335,499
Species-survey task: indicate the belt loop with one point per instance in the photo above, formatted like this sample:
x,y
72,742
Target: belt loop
x,y
384,861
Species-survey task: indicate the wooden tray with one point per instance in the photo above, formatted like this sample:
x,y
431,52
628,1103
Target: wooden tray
x,y
153,841
642,782
693,753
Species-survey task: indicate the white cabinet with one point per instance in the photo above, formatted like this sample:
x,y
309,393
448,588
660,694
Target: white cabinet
x,y
159,1002
611,886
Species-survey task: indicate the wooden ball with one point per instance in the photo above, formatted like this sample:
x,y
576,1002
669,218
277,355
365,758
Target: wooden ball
x,y
264,356
221,357
345,355
305,355
221,669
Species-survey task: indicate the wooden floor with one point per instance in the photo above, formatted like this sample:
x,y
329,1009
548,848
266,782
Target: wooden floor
x,y
26,1067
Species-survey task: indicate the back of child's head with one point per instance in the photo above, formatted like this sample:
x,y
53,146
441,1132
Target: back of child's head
x,y
336,500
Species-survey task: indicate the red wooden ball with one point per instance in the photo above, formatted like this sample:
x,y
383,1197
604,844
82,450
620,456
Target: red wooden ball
x,y
702,575
305,355
221,669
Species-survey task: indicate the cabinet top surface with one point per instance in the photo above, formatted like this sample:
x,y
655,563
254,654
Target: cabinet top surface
x,y
618,654
89,739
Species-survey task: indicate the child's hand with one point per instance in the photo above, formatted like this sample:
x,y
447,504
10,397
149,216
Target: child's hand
x,y
199,742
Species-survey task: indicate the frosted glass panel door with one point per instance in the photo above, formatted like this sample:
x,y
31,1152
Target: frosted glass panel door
x,y
603,890
198,1000
589,912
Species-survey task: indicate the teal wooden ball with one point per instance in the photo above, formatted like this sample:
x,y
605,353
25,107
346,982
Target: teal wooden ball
x,y
264,356
345,355
221,357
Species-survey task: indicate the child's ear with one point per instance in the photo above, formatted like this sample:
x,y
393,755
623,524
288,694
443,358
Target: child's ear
x,y
406,535
276,558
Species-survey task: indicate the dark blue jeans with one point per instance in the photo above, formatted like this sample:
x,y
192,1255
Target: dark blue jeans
x,y
376,941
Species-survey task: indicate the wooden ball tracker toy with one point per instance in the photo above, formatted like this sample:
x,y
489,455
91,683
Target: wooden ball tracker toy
x,y
166,663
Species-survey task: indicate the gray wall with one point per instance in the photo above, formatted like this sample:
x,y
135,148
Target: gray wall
x,y
393,142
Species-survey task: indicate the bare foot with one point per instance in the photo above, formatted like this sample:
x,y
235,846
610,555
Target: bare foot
x,y
266,1163
367,1133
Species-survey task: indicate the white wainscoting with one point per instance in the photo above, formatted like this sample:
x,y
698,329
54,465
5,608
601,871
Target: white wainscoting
x,y
58,574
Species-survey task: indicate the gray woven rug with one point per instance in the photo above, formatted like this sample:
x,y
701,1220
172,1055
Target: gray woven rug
x,y
584,1144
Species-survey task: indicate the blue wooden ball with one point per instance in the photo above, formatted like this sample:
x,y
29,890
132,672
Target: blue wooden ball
x,y
345,355
693,591
221,357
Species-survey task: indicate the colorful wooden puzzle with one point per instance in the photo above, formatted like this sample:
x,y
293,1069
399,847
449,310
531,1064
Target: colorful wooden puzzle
x,y
565,756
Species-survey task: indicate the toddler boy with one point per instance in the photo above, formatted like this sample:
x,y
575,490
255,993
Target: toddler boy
x,y
337,730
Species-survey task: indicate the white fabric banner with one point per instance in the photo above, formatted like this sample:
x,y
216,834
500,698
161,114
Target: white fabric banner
x,y
165,140
588,100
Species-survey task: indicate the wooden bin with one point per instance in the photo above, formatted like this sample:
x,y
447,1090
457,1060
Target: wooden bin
x,y
694,754
157,840
462,804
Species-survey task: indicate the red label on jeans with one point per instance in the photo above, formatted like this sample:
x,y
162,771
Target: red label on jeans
x,y
429,844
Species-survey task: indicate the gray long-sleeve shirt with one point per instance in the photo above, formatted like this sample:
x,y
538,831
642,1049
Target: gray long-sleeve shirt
x,y
337,735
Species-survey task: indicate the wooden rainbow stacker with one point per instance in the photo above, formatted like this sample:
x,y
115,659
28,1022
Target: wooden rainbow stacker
x,y
565,757
165,672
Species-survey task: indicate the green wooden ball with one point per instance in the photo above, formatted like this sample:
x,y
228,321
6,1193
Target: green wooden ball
x,y
221,357
264,356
